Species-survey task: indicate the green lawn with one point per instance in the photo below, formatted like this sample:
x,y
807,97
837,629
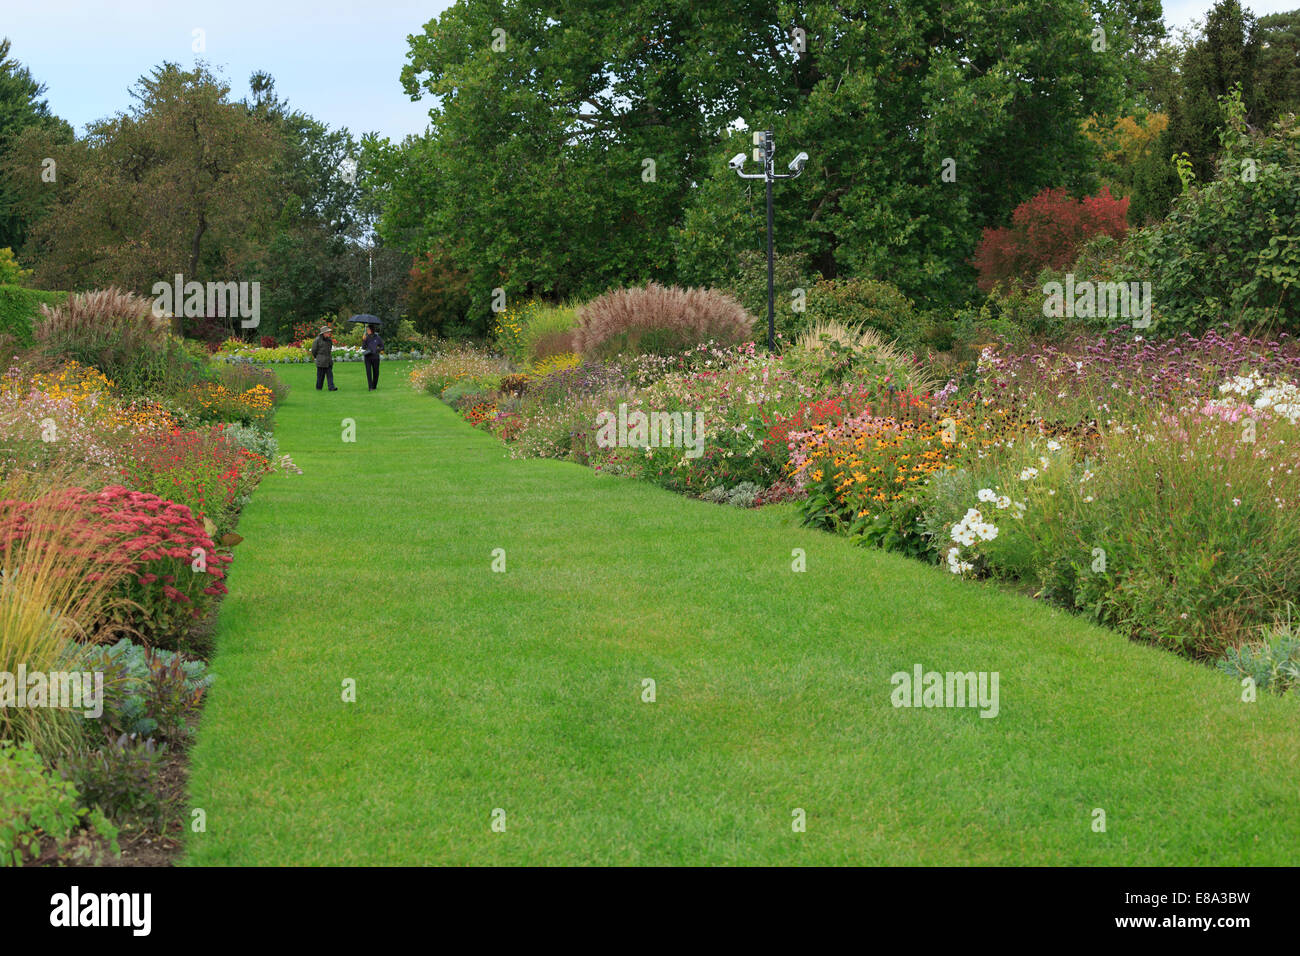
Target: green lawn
x,y
522,690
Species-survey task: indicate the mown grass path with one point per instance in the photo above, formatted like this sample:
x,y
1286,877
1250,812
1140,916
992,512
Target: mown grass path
x,y
522,690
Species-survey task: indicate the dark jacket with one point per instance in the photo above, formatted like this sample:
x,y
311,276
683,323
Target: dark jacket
x,y
372,345
321,349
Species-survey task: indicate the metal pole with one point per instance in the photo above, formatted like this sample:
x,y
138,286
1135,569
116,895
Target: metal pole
x,y
770,148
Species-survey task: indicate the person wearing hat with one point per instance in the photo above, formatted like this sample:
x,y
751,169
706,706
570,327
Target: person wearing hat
x,y
321,350
371,346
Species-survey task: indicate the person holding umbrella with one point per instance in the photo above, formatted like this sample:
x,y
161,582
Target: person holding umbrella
x,y
322,348
371,347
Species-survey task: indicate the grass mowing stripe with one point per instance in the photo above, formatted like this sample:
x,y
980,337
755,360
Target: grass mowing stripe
x,y
522,690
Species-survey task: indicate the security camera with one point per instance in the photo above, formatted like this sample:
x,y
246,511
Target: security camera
x,y
737,161
797,164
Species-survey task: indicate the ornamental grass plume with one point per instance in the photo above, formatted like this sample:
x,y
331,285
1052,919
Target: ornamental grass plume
x,y
659,319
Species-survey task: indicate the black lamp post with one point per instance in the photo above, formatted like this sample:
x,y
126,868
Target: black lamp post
x,y
765,152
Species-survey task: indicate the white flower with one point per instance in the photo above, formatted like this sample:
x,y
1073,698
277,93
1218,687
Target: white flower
x,y
1028,473
1053,445
1003,502
1087,476
1044,462
1236,502
987,494
1089,498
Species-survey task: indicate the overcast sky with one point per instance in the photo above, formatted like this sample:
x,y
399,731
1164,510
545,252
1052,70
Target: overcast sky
x,y
338,61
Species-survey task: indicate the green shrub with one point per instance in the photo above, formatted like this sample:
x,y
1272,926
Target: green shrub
x,y
867,303
1230,250
790,273
453,365
399,336
11,272
36,805
454,394
548,331
119,778
831,354
21,308
241,376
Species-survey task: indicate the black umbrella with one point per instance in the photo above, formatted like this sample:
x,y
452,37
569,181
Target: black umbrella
x,y
366,320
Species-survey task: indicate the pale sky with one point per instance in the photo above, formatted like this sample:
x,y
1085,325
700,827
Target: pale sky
x,y
337,60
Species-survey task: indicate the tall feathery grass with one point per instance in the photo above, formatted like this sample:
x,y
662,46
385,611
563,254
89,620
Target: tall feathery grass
x,y
117,333
55,588
660,320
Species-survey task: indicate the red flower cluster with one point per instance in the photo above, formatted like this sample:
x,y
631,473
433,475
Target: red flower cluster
x,y
201,469
834,410
174,569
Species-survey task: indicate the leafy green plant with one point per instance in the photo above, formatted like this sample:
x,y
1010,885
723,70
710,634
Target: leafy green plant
x,y
1230,249
830,353
149,692
239,377
741,496
35,805
259,441
457,392
11,272
119,778
749,287
863,303
547,332
1273,663
20,309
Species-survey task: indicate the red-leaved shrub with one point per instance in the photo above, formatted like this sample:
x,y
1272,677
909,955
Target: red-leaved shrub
x,y
662,320
1047,232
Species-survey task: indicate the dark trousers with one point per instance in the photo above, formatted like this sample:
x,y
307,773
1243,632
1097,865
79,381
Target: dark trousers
x,y
324,373
372,371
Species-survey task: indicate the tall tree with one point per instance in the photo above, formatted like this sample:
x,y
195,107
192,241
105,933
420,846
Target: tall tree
x,y
1225,54
306,266
177,184
22,107
1278,79
574,145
